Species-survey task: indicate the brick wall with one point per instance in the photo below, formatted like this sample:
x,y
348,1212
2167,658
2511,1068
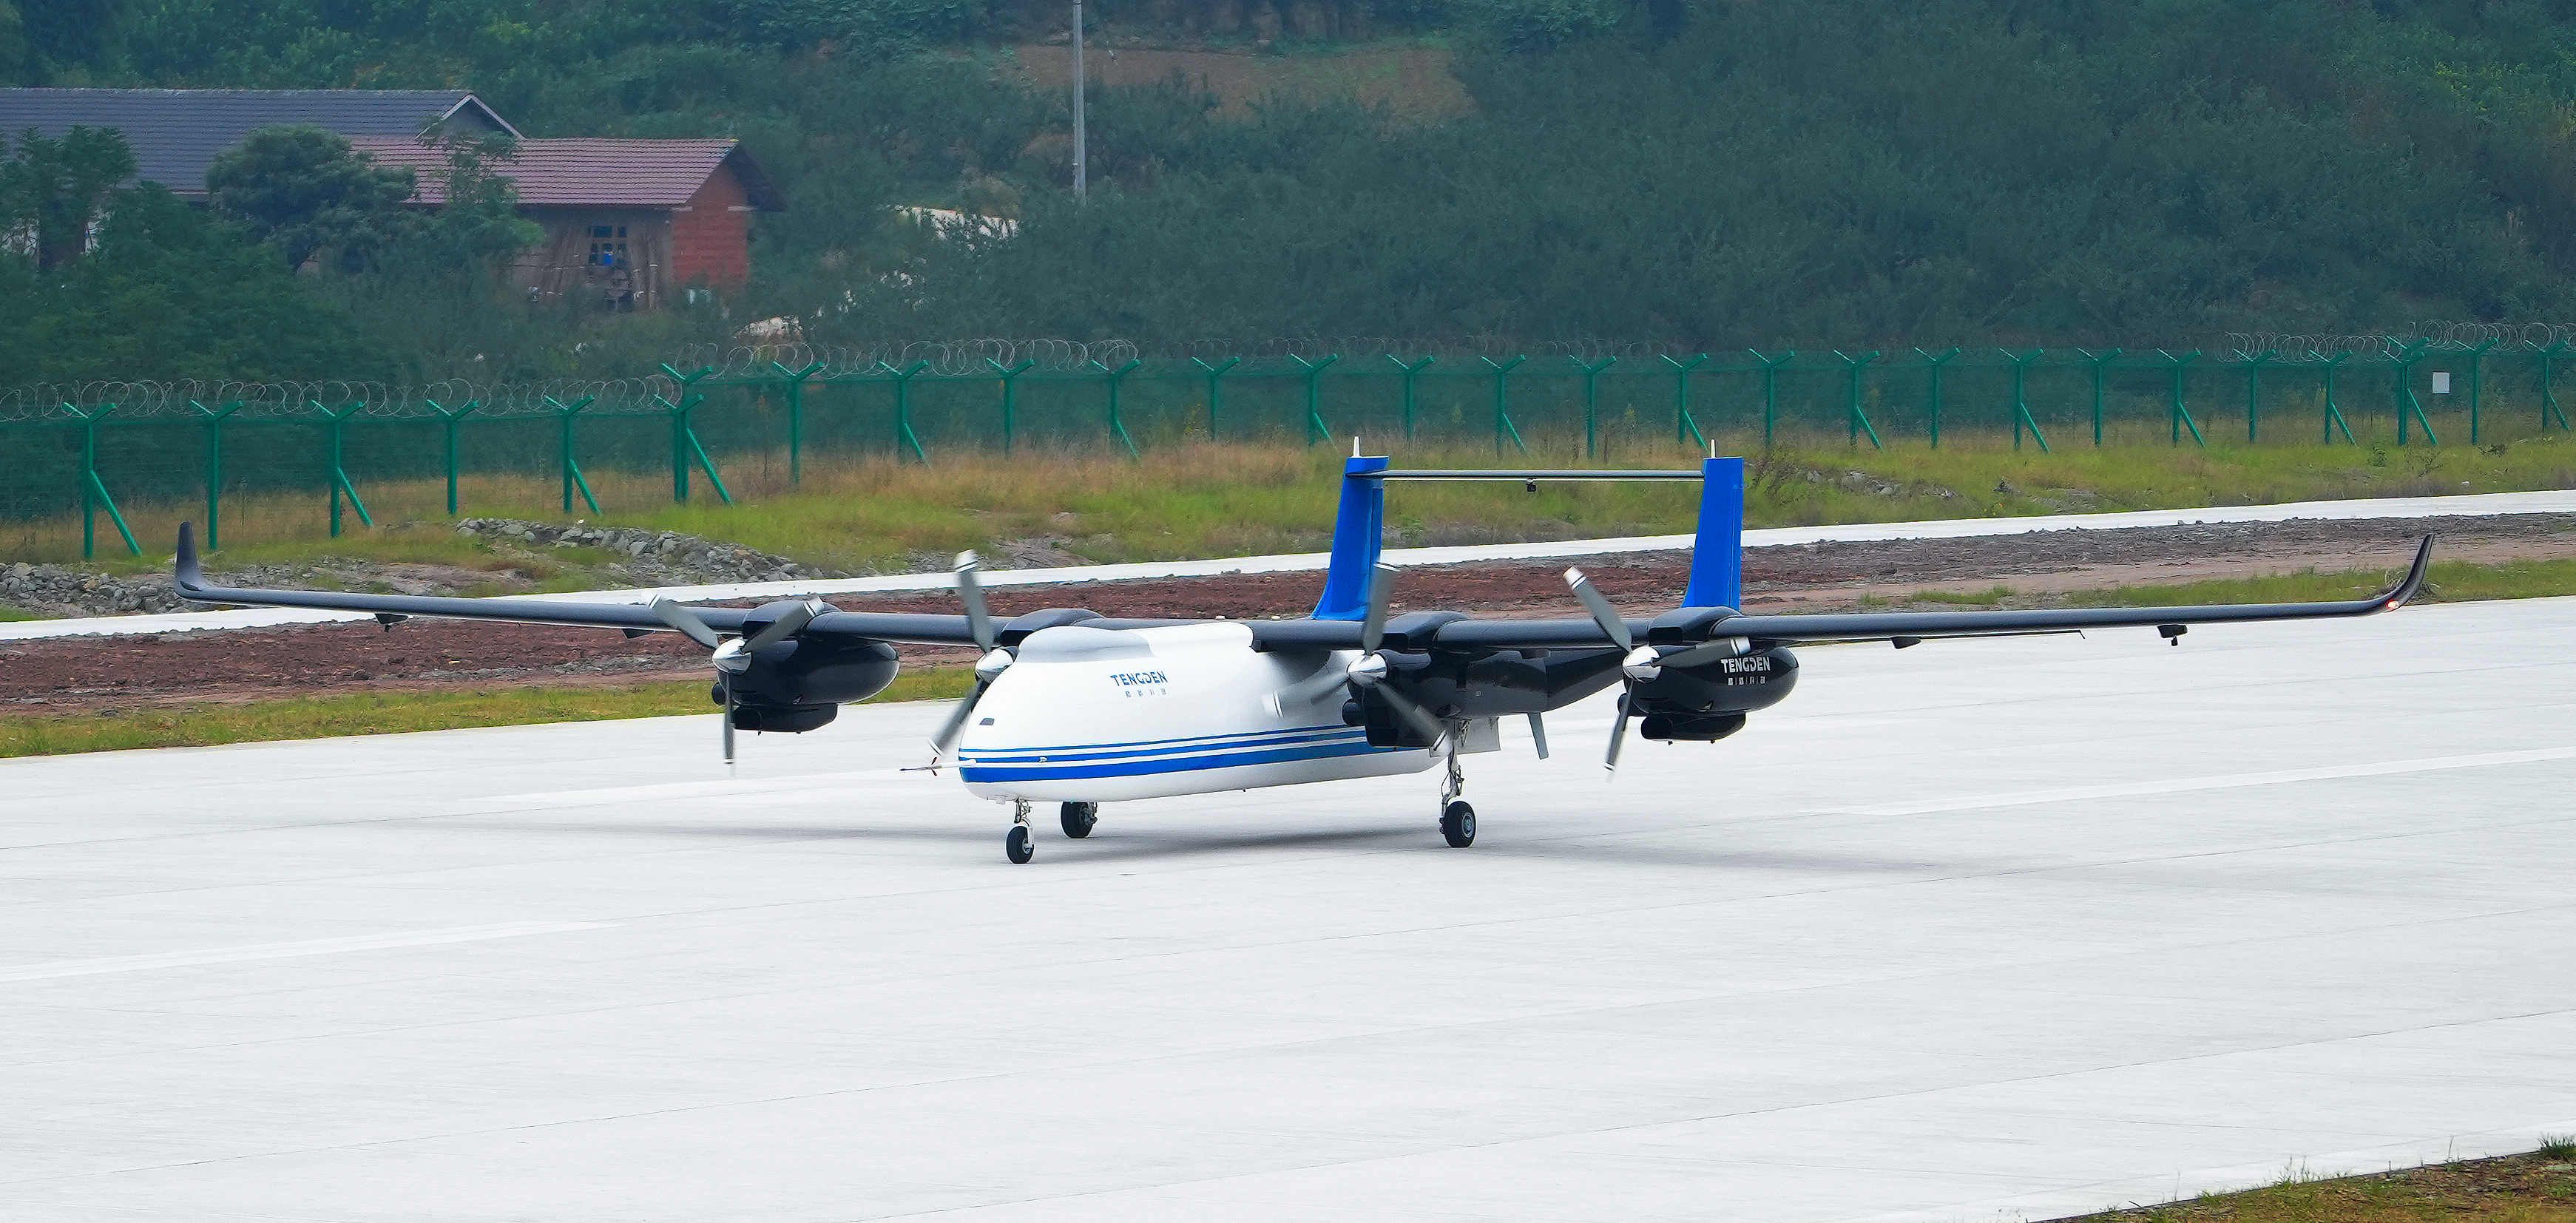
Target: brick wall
x,y
711,238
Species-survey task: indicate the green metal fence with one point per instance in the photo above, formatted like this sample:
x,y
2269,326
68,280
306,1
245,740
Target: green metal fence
x,y
83,451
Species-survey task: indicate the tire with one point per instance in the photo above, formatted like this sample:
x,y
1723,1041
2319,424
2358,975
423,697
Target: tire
x,y
1078,818
1458,825
1018,846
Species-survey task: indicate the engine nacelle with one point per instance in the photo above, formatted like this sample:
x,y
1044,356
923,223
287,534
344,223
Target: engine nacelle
x,y
799,684
1708,702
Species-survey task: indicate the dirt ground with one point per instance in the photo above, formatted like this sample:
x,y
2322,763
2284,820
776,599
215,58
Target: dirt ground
x,y
249,664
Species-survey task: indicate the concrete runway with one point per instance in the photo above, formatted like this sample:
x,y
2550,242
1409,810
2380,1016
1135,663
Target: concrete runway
x,y
1977,930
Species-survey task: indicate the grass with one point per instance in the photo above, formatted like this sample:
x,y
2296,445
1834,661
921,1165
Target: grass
x,y
1189,501
385,713
2536,1188
2448,582
8,613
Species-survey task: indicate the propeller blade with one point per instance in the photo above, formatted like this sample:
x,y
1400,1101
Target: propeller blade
x,y
1327,678
1708,651
1420,718
788,624
726,681
687,622
1381,596
1599,605
979,617
1538,734
946,736
1618,735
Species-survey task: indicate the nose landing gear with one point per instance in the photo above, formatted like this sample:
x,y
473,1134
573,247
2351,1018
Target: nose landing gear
x,y
1017,844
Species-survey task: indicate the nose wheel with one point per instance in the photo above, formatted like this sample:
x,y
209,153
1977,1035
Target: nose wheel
x,y
1017,844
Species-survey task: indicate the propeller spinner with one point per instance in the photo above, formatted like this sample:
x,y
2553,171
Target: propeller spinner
x,y
979,623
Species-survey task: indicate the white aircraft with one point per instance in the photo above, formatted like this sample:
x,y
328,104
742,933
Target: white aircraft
x,y
1078,709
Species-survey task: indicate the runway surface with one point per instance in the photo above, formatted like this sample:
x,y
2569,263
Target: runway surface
x,y
2465,505
1979,930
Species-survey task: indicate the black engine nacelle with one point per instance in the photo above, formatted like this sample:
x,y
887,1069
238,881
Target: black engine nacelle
x,y
1708,702
799,684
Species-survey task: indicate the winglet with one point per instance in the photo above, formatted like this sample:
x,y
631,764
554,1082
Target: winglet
x,y
2402,593
190,577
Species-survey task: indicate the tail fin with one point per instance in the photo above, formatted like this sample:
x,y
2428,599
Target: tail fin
x,y
1717,554
1359,533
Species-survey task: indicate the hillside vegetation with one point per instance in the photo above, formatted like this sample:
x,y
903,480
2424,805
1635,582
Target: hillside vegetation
x,y
1705,175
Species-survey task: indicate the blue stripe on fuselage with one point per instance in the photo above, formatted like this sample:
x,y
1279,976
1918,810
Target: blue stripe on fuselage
x,y
1079,770
1156,747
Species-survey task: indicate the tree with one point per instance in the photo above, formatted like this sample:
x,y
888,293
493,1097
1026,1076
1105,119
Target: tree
x,y
477,223
56,189
305,192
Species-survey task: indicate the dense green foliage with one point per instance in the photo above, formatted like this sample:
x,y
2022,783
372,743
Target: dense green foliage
x,y
1711,174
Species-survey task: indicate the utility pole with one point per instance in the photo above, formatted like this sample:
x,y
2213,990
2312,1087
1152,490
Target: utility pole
x,y
1078,141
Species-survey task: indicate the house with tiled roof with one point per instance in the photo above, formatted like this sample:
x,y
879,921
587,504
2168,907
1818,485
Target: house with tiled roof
x,y
630,224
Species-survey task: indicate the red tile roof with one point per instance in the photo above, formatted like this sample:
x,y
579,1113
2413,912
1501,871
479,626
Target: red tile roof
x,y
587,172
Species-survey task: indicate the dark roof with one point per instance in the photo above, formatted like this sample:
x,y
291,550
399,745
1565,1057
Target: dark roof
x,y
590,173
176,133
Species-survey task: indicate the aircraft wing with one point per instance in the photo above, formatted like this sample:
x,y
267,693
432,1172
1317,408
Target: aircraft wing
x,y
1905,626
634,618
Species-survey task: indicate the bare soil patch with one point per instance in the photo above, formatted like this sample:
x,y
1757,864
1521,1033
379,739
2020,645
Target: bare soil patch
x,y
1413,83
245,664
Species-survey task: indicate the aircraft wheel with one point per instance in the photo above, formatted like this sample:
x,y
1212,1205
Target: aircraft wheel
x,y
1458,825
1078,819
1017,846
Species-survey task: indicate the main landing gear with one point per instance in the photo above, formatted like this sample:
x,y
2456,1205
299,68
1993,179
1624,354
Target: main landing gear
x,y
1020,843
1457,819
1078,818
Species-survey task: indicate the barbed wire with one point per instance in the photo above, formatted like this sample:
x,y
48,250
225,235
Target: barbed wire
x,y
311,399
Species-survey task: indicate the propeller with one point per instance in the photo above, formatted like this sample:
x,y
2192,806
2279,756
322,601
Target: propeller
x,y
1369,670
732,656
979,624
1639,664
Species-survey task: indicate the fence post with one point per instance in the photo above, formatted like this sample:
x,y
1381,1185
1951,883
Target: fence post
x,y
795,423
448,421
1683,426
2177,416
1010,396
685,439
1114,379
1858,419
2100,361
93,490
1933,363
2407,404
2253,364
1410,372
1503,426
340,482
214,469
1316,429
2333,417
2477,358
1592,403
2021,417
903,434
2549,397
1771,391
572,478
1215,389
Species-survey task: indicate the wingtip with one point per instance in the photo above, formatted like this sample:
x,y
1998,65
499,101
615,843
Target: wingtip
x,y
188,575
2414,581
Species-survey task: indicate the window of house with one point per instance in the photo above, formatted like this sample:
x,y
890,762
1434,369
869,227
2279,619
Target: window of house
x,y
608,246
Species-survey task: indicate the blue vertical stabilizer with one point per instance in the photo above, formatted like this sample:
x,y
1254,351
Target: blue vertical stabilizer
x,y
1717,555
1359,531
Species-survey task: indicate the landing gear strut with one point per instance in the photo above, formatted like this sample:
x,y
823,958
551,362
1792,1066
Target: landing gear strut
x,y
1457,819
1017,845
1078,818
